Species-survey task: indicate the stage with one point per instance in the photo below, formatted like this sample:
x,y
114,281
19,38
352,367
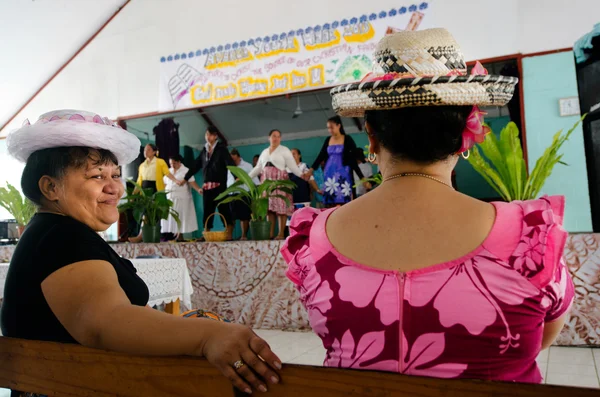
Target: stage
x,y
245,282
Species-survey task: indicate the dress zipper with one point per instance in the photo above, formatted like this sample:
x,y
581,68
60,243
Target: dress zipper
x,y
401,281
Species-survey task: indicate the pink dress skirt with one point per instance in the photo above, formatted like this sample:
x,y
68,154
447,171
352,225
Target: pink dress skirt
x,y
276,204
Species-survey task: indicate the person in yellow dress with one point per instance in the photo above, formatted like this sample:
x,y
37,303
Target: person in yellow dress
x,y
151,174
153,170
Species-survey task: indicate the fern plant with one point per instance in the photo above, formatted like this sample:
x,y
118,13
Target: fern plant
x,y
18,206
503,166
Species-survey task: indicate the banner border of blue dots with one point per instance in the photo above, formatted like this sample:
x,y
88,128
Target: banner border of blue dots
x,y
333,25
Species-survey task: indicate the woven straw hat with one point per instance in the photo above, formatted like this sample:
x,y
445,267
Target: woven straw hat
x,y
64,128
421,68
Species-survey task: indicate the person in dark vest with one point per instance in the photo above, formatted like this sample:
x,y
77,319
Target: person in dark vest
x,y
213,162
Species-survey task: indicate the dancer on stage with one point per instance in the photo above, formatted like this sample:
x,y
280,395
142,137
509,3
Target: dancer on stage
x,y
302,193
182,199
153,170
240,211
213,162
151,175
338,153
272,165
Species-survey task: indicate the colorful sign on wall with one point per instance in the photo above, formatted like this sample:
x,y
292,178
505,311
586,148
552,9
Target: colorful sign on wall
x,y
305,59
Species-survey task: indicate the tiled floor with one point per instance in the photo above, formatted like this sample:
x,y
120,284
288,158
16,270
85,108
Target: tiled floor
x,y
568,366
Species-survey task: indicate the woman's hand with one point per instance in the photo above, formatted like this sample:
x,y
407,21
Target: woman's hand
x,y
200,191
367,185
230,343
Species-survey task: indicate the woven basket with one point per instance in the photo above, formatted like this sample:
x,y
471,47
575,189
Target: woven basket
x,y
215,236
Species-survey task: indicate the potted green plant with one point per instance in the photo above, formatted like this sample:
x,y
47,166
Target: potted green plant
x,y
502,165
258,197
149,208
18,206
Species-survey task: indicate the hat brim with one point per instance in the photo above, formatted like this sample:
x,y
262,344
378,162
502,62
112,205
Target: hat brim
x,y
352,100
28,139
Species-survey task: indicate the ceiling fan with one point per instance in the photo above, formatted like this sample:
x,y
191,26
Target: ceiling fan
x,y
299,111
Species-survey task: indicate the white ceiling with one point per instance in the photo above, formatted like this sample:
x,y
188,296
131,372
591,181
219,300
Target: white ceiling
x,y
37,37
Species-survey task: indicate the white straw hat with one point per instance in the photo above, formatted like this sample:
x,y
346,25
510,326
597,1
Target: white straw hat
x,y
421,68
65,128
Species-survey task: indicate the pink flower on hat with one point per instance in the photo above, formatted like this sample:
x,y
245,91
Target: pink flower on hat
x,y
475,131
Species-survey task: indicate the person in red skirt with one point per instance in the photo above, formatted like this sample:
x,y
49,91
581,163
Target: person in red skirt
x,y
272,165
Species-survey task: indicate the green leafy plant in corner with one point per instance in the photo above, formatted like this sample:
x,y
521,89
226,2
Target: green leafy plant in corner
x,y
148,206
502,165
258,196
18,206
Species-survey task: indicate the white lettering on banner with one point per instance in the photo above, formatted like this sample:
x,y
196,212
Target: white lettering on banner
x,y
317,76
318,56
298,80
225,93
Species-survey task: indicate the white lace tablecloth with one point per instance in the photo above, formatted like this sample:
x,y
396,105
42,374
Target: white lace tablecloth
x,y
3,271
167,279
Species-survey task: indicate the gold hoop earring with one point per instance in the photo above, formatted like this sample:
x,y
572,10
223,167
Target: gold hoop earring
x,y
466,156
371,157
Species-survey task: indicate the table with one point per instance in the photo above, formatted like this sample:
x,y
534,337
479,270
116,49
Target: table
x,y
242,281
168,281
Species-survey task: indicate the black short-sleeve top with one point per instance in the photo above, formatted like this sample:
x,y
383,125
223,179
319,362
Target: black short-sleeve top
x,y
49,243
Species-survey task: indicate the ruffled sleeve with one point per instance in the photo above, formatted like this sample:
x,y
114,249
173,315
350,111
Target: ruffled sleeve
x,y
539,254
295,250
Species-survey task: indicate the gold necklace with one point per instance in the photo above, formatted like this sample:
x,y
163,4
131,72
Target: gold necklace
x,y
419,175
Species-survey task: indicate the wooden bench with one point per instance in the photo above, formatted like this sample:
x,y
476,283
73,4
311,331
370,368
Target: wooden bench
x,y
69,370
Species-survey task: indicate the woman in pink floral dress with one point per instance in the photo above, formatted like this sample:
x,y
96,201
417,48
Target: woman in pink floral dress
x,y
415,277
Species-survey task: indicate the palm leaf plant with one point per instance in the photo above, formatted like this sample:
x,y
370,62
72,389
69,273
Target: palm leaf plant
x,y
502,165
18,206
256,197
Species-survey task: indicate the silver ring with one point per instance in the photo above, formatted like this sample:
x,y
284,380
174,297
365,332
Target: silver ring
x,y
238,364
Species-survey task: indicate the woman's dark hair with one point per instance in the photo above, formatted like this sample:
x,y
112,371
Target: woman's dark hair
x,y
299,153
420,134
272,131
153,147
213,130
359,155
337,120
176,157
235,152
55,162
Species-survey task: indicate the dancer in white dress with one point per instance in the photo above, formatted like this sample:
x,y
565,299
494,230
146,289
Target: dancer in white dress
x,y
182,200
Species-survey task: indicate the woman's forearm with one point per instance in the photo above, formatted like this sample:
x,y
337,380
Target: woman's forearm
x,y
137,330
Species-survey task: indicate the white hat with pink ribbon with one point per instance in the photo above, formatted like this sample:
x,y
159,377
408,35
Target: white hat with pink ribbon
x,y
67,128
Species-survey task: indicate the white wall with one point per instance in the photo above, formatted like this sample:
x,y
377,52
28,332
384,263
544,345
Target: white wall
x,y
118,74
37,37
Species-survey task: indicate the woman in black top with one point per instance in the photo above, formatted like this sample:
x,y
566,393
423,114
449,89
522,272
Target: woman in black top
x,y
213,162
338,154
66,284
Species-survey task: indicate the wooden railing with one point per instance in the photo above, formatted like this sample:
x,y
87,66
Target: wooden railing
x,y
69,370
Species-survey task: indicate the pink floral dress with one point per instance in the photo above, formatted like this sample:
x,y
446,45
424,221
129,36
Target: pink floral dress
x,y
480,316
